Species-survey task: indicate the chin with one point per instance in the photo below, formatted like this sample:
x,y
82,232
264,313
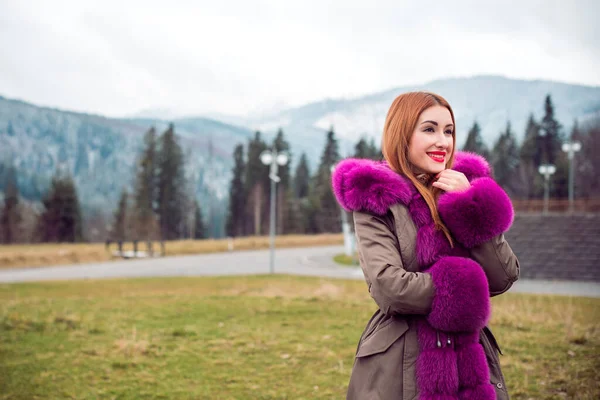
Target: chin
x,y
435,170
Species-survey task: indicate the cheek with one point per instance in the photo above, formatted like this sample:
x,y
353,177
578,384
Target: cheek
x,y
413,154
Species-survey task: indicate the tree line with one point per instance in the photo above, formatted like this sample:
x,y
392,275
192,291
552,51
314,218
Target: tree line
x,y
159,203
305,201
515,165
156,206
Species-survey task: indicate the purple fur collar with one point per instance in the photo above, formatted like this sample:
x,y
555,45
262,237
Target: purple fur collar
x,y
473,217
367,185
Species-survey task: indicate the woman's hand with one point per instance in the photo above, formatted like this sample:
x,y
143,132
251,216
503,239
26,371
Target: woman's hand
x,y
451,181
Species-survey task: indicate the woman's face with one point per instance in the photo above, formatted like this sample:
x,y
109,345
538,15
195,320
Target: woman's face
x,y
430,145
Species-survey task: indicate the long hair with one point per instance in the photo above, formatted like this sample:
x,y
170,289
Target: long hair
x,y
400,124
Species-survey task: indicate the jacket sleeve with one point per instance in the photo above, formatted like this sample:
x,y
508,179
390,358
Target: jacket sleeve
x,y
395,290
500,264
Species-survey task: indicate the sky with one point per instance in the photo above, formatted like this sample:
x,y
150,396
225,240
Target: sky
x,y
245,57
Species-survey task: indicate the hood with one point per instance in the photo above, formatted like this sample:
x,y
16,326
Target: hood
x,y
367,185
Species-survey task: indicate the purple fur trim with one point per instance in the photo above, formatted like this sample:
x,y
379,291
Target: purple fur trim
x,y
461,301
467,339
419,211
473,369
438,397
431,245
437,371
428,336
471,164
366,185
484,391
478,214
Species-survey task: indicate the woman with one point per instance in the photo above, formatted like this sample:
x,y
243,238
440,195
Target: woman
x,y
429,226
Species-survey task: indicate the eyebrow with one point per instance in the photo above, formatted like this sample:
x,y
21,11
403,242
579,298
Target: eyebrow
x,y
434,123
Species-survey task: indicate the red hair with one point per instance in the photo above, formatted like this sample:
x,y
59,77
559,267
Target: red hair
x,y
400,123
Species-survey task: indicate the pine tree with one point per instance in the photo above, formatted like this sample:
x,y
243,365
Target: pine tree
x,y
199,229
10,217
257,187
171,186
552,138
331,154
582,166
550,131
280,144
474,142
61,219
302,178
146,185
323,204
361,149
364,149
505,161
375,151
237,195
119,229
530,158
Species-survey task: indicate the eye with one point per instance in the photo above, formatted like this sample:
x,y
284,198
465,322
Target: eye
x,y
448,132
428,129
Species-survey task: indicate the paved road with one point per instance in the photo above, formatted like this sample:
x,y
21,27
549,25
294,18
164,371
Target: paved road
x,y
314,261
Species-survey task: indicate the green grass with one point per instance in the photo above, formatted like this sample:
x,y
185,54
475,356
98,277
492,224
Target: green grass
x,y
344,259
266,337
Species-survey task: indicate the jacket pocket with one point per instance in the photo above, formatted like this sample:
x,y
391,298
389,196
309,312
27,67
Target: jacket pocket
x,y
382,337
491,348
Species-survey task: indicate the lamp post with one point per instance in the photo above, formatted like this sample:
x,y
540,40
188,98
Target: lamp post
x,y
274,159
546,170
571,148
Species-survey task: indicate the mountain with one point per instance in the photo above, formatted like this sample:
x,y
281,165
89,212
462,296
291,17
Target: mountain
x,y
491,100
100,153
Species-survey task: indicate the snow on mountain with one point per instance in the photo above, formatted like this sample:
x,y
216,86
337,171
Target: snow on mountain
x,y
489,100
100,153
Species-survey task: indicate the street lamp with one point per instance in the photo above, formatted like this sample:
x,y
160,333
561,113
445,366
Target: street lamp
x,y
546,170
571,148
274,159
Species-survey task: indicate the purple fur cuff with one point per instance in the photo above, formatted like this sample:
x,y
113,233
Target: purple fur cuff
x,y
461,302
477,214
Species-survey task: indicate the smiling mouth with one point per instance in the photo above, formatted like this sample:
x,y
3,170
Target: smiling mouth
x,y
437,157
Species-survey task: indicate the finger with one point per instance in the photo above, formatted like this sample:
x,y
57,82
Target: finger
x,y
441,185
458,175
446,180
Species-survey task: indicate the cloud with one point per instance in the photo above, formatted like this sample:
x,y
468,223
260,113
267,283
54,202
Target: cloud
x,y
117,58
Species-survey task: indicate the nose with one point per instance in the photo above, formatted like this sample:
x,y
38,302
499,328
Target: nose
x,y
443,141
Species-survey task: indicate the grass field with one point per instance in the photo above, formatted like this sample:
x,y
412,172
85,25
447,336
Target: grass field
x,y
343,259
262,337
35,255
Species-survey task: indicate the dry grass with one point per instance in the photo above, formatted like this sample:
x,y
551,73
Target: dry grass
x,y
261,337
16,256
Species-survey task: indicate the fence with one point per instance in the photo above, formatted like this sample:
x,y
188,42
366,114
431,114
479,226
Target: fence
x,y
591,205
135,252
